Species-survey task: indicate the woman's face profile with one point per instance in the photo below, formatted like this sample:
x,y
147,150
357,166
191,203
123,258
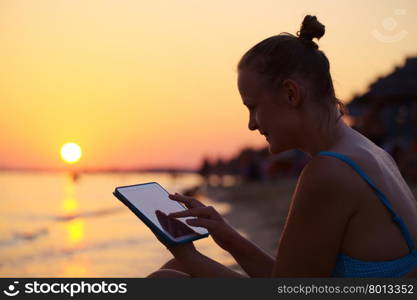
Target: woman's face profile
x,y
268,111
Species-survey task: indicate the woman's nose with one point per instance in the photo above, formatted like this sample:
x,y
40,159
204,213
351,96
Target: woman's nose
x,y
252,124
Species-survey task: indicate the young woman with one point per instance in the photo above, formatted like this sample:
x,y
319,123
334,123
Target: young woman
x,y
352,214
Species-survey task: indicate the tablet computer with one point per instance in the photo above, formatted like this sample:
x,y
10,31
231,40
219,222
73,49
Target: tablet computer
x,y
150,202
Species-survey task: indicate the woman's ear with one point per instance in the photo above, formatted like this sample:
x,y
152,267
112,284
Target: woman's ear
x,y
292,92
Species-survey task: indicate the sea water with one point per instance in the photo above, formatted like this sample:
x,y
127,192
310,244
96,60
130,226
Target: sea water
x,y
55,225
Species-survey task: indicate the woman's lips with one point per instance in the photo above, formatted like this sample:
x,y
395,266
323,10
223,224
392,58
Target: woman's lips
x,y
264,134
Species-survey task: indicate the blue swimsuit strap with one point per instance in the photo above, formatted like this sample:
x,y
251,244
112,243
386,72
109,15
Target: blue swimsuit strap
x,y
379,194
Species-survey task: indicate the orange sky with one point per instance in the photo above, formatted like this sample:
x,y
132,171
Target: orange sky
x,y
140,84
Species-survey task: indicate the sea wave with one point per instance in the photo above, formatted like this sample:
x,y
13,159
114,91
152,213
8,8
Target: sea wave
x,y
22,236
66,216
59,253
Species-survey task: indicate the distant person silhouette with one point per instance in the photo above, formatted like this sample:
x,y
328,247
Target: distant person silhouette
x,y
351,214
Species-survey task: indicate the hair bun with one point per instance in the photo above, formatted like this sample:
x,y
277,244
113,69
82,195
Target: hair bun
x,y
311,28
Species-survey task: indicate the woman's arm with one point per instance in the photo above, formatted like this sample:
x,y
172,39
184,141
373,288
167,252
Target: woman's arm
x,y
199,265
322,206
255,261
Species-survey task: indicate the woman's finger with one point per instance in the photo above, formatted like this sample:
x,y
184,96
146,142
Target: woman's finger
x,y
206,212
200,222
189,202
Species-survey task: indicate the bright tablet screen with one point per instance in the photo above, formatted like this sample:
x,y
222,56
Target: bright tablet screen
x,y
152,201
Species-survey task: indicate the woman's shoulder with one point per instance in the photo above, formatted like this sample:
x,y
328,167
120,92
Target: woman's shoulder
x,y
331,177
336,174
338,164
329,169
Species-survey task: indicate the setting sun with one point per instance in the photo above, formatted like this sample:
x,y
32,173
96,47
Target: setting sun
x,y
71,152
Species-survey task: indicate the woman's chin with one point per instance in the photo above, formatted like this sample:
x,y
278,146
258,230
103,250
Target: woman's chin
x,y
274,148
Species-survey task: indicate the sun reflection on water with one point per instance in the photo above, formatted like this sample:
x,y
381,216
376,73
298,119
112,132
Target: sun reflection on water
x,y
78,268
70,205
75,230
75,227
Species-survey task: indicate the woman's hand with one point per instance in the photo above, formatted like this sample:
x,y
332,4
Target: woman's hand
x,y
206,216
251,258
186,249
